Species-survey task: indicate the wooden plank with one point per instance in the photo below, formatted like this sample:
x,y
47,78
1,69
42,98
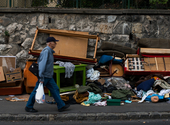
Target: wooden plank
x,y
88,60
104,75
161,64
127,64
96,47
167,63
36,32
132,55
67,34
9,62
4,84
154,51
12,90
156,63
69,31
71,46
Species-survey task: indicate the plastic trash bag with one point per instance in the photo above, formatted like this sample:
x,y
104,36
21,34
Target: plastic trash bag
x,y
89,72
119,83
92,98
40,96
93,74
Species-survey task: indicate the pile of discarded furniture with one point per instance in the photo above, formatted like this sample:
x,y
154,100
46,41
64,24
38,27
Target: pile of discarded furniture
x,y
72,47
120,75
11,78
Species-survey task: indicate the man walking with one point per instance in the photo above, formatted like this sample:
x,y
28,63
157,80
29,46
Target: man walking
x,y
45,63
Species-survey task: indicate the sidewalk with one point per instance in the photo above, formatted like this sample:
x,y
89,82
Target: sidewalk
x,y
48,112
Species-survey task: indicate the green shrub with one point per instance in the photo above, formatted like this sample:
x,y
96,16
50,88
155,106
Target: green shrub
x,y
6,33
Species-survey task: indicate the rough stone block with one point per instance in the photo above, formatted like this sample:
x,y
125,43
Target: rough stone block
x,y
104,28
119,38
136,28
111,19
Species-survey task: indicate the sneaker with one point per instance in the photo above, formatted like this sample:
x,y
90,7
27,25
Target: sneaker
x,y
30,109
64,107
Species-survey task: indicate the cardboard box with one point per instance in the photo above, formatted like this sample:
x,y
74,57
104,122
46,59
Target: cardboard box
x,y
151,60
163,66
167,59
146,64
167,66
153,67
154,64
8,61
15,90
160,64
5,69
159,59
16,75
150,64
2,78
167,63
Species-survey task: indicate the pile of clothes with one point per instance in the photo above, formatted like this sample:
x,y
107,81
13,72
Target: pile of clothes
x,y
99,90
153,88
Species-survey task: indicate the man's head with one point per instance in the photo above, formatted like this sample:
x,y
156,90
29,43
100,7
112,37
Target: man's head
x,y
51,42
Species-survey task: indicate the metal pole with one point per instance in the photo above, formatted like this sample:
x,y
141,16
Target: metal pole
x,y
123,4
80,3
25,3
77,3
128,4
131,3
73,3
9,3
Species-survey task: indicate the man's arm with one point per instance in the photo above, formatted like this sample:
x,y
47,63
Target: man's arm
x,y
42,65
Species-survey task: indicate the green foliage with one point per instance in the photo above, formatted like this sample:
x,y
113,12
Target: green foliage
x,y
108,4
6,33
158,1
112,1
91,4
36,3
83,4
88,3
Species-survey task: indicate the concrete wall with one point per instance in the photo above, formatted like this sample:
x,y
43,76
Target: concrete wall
x,y
117,26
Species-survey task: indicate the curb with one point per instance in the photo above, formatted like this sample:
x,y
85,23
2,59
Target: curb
x,y
85,116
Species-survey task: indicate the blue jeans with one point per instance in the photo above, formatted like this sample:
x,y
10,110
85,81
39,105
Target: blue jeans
x,y
52,86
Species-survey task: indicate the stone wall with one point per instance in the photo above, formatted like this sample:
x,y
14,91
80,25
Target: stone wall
x,y
121,29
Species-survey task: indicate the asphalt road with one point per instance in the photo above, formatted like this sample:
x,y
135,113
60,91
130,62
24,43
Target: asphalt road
x,y
125,122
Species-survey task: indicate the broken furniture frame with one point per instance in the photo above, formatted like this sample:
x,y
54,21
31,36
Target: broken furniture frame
x,y
68,34
29,78
112,70
59,69
118,71
155,51
144,72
